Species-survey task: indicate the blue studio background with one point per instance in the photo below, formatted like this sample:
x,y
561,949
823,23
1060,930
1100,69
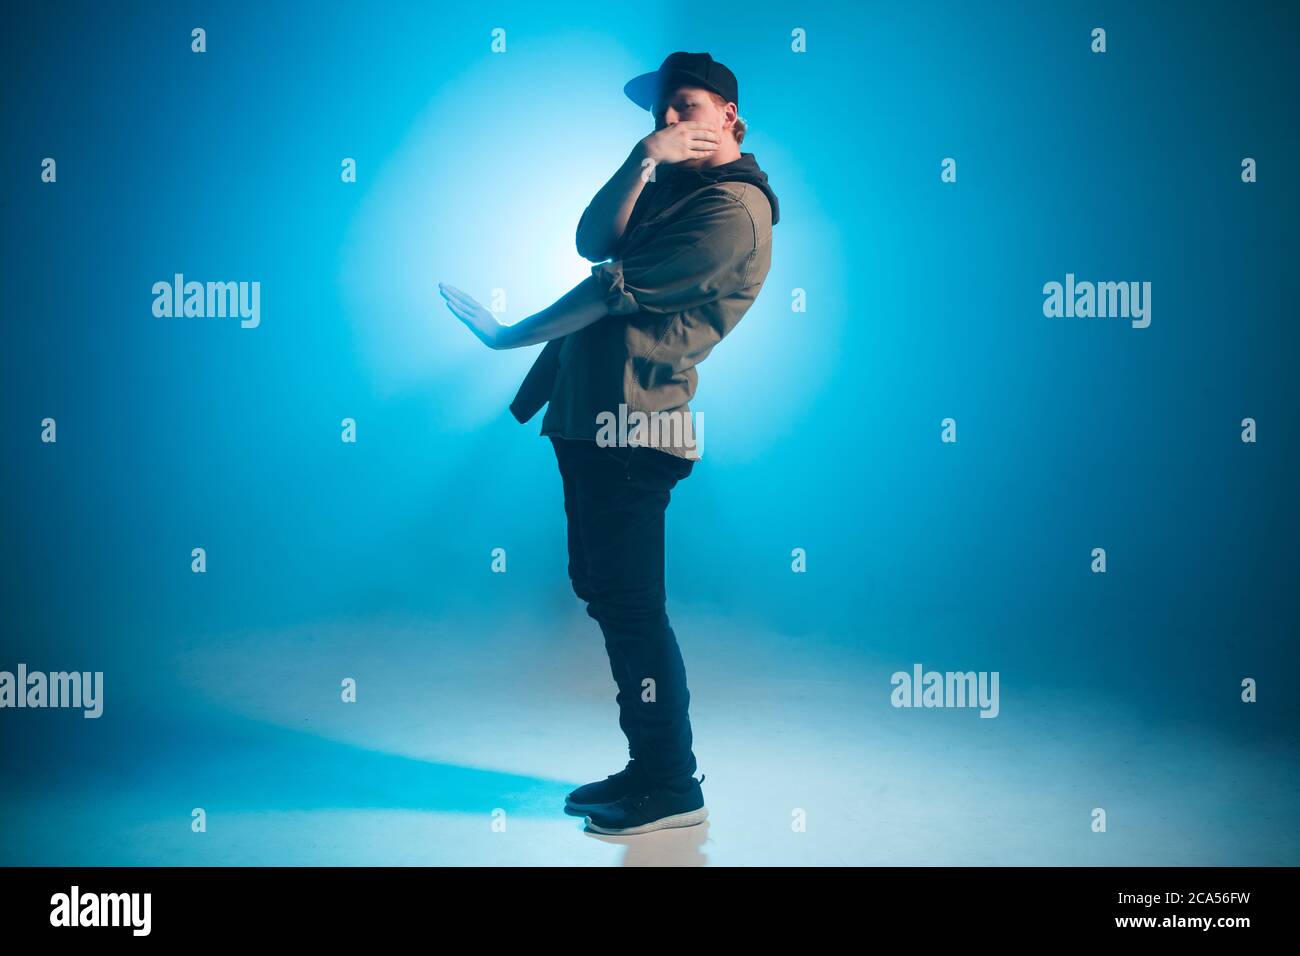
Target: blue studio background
x,y
924,301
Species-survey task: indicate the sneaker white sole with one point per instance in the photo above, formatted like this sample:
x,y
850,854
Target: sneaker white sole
x,y
664,823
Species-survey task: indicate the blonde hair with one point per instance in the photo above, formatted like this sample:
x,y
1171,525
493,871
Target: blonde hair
x,y
739,128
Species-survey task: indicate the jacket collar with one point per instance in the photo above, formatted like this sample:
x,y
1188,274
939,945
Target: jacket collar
x,y
745,169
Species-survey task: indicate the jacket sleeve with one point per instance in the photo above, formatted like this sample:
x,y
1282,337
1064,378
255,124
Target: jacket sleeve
x,y
577,232
701,255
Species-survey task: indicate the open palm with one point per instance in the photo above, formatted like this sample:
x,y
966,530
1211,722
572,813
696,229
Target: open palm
x,y
470,311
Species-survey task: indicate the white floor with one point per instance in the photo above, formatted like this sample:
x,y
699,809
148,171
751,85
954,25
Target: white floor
x,y
461,746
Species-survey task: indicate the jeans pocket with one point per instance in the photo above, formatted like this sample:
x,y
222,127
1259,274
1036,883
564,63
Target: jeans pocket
x,y
621,454
658,470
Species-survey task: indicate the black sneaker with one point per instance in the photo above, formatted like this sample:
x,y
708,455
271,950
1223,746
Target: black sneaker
x,y
593,795
645,811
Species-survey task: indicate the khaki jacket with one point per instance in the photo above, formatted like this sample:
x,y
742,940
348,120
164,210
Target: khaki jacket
x,y
683,278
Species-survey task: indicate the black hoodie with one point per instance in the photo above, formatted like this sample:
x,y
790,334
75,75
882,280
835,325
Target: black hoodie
x,y
672,182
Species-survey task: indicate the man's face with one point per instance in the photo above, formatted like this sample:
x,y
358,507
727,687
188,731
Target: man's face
x,y
691,104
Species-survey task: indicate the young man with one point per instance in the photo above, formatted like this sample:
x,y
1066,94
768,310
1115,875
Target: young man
x,y
686,226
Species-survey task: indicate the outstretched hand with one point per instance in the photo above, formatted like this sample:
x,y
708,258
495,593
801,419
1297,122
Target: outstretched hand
x,y
479,319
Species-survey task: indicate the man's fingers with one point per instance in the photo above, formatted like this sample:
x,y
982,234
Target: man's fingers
x,y
460,309
450,291
457,301
471,313
452,294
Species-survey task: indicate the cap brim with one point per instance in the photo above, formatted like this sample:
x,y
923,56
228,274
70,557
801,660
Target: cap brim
x,y
643,89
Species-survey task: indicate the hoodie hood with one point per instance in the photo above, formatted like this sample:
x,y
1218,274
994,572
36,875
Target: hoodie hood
x,y
679,181
745,170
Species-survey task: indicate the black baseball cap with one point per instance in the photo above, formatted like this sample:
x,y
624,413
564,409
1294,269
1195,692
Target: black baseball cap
x,y
683,69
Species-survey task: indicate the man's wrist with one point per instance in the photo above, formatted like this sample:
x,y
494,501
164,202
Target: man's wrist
x,y
505,335
642,159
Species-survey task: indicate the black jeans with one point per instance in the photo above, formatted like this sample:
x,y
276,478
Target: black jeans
x,y
614,499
